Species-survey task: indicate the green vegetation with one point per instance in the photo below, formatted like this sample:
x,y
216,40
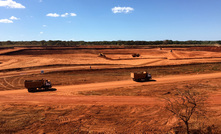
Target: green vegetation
x,y
115,43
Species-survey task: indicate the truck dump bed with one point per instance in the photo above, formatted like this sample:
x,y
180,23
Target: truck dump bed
x,y
32,84
140,76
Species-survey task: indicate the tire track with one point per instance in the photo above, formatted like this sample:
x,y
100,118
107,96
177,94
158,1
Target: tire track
x,y
195,58
4,85
174,55
147,63
15,79
19,81
8,83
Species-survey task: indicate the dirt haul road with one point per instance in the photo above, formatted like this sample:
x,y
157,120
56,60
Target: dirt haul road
x,y
68,94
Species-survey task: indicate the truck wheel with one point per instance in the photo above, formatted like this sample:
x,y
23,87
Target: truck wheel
x,y
143,80
30,90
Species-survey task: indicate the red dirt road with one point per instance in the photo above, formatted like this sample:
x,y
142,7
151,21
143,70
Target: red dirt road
x,y
68,94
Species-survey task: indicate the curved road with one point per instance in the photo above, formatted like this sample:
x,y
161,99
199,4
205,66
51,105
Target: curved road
x,y
67,94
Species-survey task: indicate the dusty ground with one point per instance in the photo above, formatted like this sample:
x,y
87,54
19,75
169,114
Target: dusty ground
x,y
115,58
104,99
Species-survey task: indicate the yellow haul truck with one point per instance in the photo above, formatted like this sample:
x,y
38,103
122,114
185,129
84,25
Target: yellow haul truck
x,y
35,85
141,76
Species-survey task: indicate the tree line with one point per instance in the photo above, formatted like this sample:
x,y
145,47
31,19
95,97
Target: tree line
x,y
119,42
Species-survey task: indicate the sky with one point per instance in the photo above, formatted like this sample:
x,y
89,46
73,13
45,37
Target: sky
x,y
108,20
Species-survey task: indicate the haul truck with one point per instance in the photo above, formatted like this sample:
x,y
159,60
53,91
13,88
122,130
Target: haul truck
x,y
141,76
34,85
